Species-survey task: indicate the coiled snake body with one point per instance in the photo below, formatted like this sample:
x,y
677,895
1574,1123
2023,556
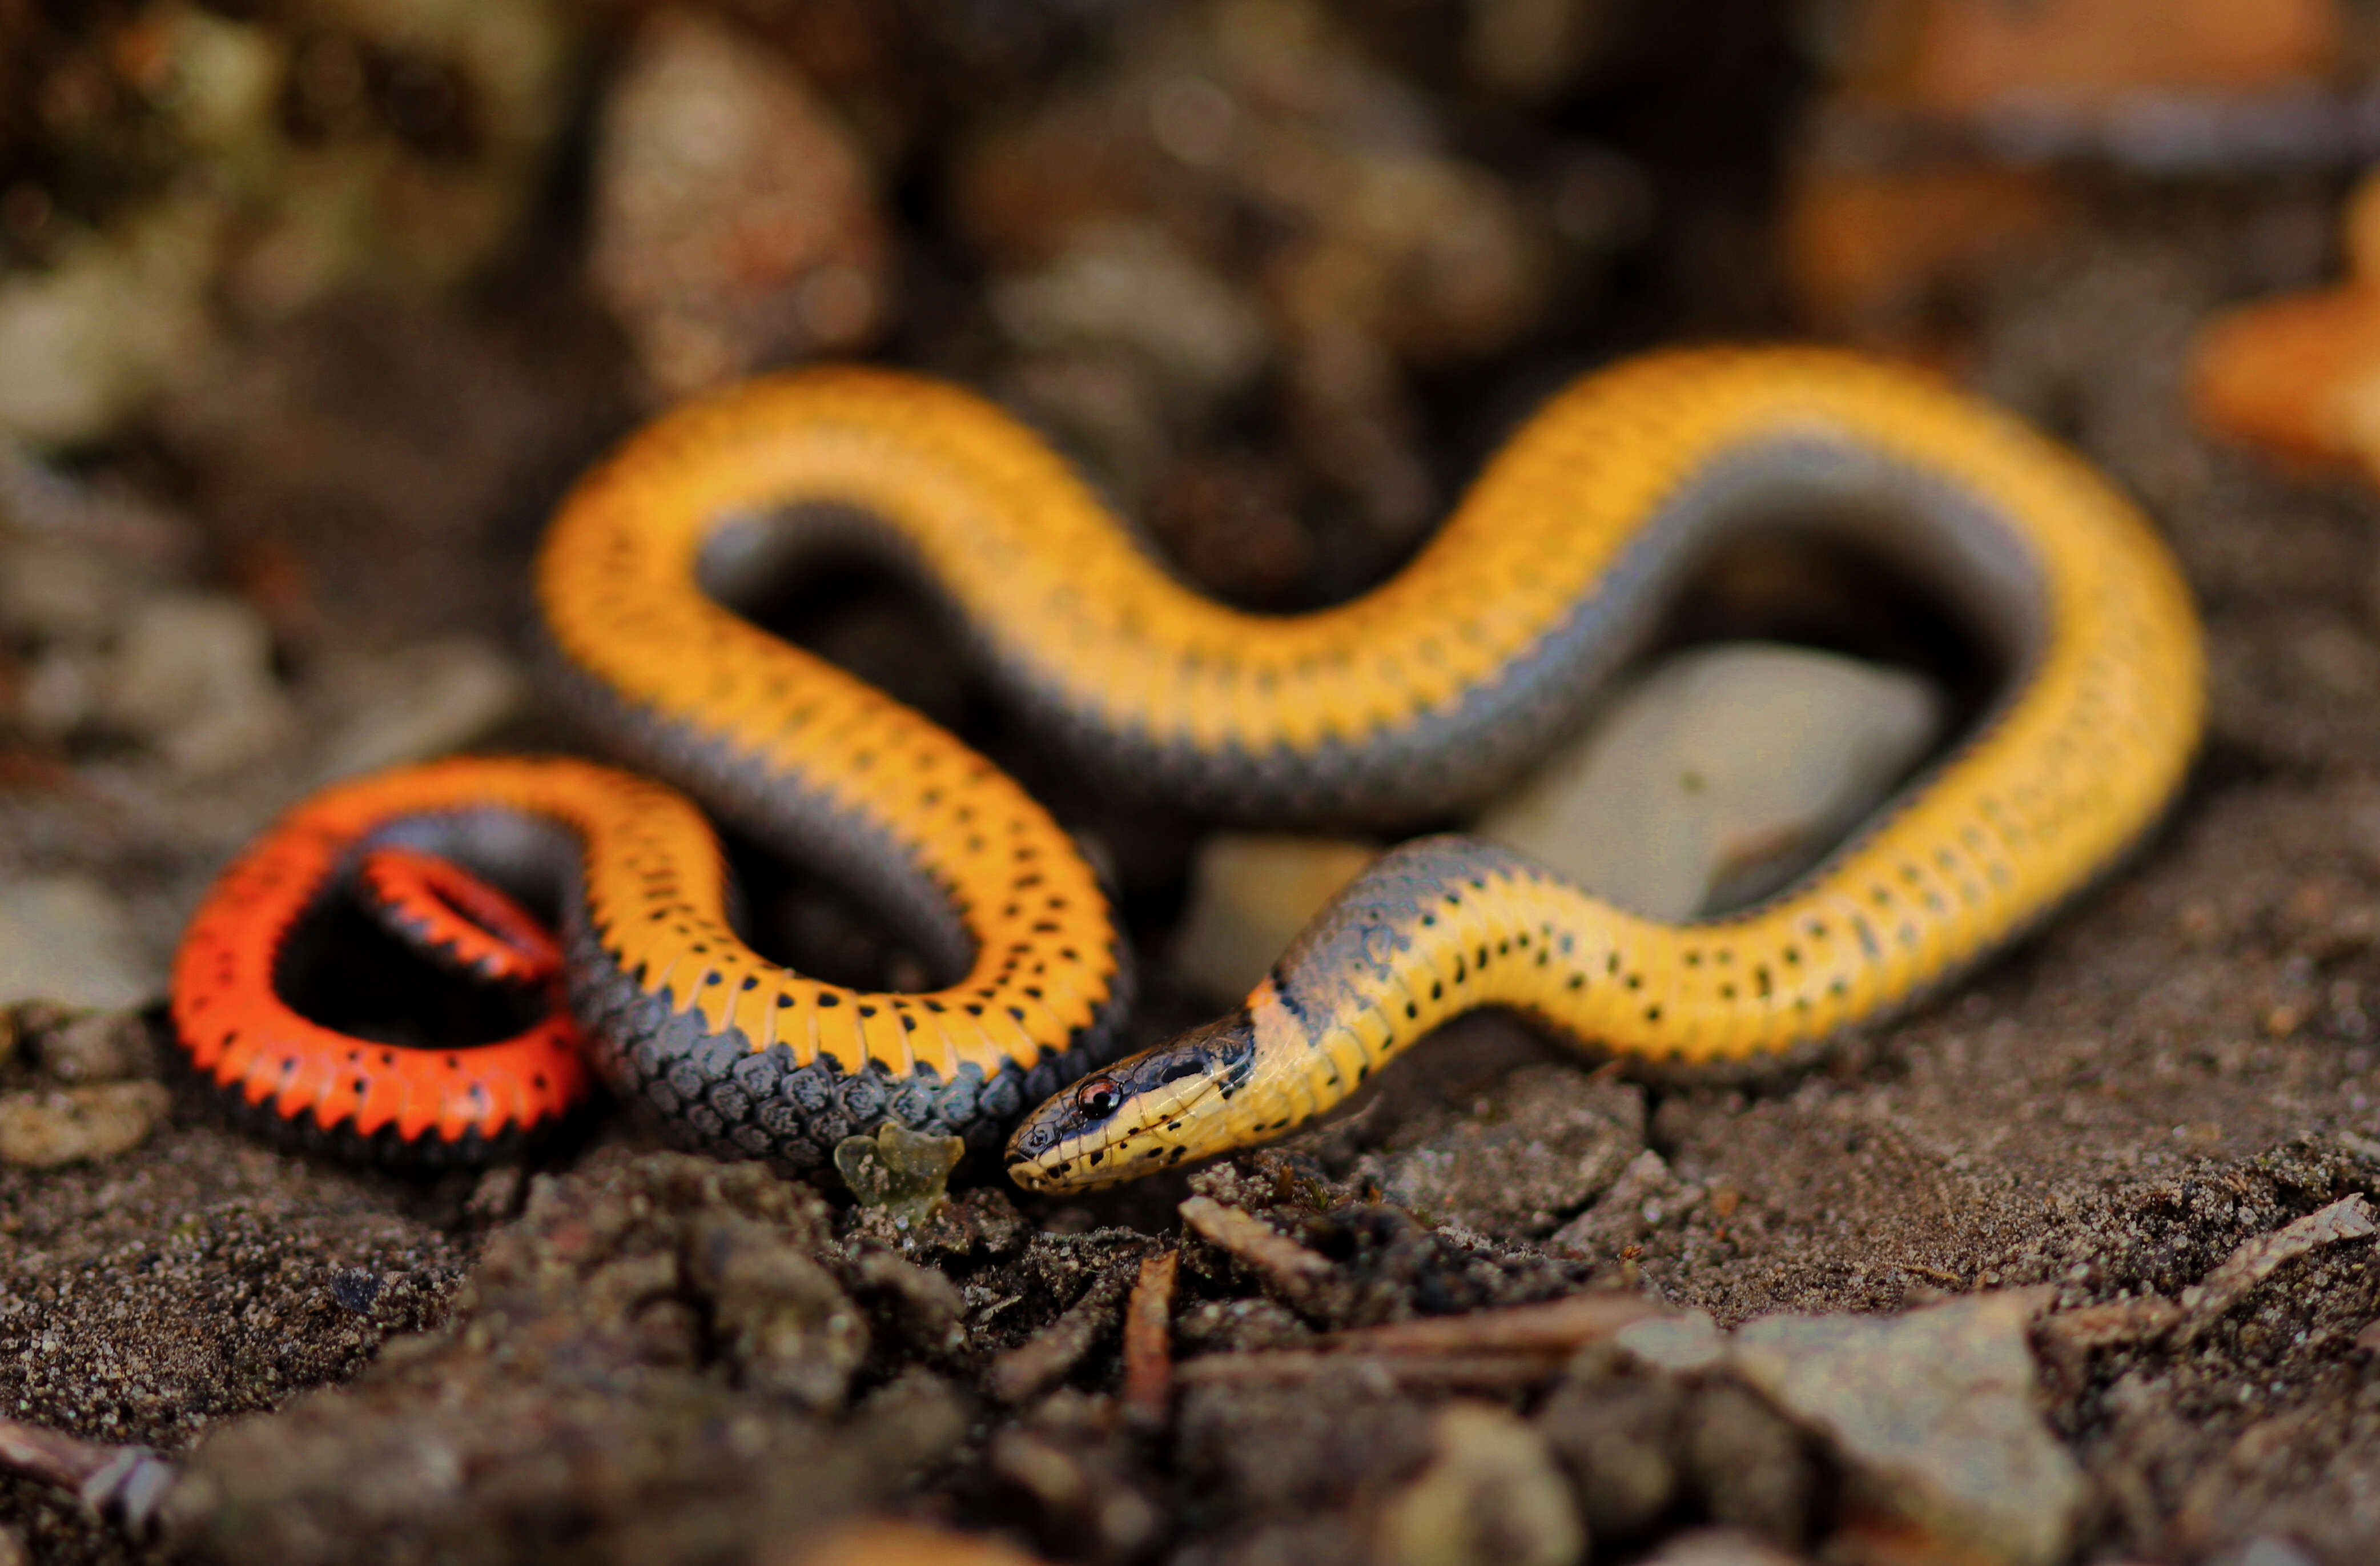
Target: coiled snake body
x,y
1426,694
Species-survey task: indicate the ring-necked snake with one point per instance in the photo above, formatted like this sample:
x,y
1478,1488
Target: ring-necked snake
x,y
1423,695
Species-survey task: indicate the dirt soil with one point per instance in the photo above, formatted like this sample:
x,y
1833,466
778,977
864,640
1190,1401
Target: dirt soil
x,y
2183,1060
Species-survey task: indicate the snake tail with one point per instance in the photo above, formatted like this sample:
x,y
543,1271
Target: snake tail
x,y
654,989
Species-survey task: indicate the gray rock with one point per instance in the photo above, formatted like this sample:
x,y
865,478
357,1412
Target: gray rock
x,y
64,939
1545,1140
1491,1496
1720,775
1932,1414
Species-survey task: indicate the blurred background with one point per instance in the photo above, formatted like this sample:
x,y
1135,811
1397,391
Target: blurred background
x,y
309,311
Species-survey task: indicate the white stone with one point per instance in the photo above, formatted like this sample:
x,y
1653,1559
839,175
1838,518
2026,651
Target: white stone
x,y
1721,772
1249,895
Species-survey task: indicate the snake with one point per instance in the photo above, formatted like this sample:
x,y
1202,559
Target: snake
x,y
1405,705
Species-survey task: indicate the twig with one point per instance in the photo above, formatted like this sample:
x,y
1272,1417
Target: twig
x,y
1461,1373
2350,1217
1298,1271
1488,1350
121,1483
1555,1328
1148,1341
1030,1368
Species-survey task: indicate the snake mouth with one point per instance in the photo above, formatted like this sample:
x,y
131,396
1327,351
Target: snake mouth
x,y
1145,1113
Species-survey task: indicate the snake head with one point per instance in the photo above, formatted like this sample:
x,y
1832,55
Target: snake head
x,y
1146,1112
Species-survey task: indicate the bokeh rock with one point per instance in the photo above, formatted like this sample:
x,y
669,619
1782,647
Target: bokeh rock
x,y
1491,1496
2299,375
64,939
736,219
1545,1141
881,1543
1127,287
193,679
52,1126
419,702
1933,1415
779,1314
1750,1468
1619,1437
120,317
1719,774
248,167
1386,252
1684,1344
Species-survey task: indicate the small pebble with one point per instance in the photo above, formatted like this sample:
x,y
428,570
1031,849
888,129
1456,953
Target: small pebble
x,y
1681,1345
1935,1415
1720,774
42,1130
1491,1496
355,1289
64,940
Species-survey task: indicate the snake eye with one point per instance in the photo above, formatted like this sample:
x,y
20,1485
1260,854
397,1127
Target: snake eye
x,y
1098,1100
